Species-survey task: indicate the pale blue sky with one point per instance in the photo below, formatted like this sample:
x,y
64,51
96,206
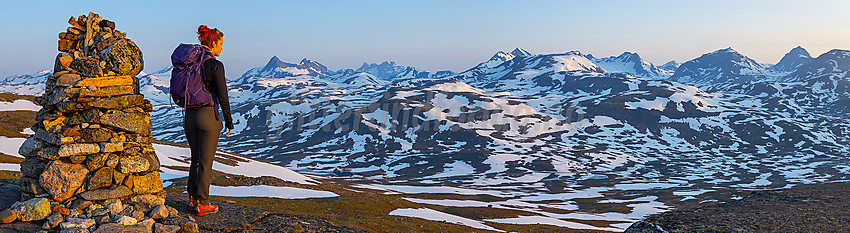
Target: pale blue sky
x,y
433,35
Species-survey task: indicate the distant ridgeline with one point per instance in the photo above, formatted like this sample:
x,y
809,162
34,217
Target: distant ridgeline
x,y
90,163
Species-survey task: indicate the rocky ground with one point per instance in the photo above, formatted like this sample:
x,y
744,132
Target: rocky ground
x,y
812,208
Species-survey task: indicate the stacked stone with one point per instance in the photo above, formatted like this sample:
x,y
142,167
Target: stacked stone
x,y
90,164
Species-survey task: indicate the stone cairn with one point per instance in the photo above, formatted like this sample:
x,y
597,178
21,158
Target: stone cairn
x,y
90,167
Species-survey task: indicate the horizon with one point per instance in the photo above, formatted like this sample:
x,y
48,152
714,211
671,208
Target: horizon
x,y
435,36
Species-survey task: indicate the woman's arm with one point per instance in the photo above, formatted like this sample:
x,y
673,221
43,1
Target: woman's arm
x,y
220,84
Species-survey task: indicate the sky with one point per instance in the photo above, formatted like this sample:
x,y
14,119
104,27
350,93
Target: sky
x,y
435,34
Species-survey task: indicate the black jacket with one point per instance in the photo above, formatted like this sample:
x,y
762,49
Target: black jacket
x,y
216,84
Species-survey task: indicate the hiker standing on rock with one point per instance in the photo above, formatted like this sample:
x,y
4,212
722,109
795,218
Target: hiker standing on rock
x,y
198,84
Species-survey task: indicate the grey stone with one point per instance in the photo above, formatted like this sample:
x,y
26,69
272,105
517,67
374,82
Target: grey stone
x,y
101,178
87,66
30,146
125,220
83,223
74,230
132,164
33,167
104,193
114,206
53,220
159,212
115,227
162,228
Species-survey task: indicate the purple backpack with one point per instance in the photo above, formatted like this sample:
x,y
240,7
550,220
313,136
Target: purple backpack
x,y
187,77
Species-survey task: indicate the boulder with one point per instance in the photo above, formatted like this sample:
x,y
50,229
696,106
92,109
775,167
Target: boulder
x,y
118,102
148,201
147,223
32,209
108,147
63,60
123,57
101,178
125,220
133,164
147,184
30,146
62,180
130,122
104,193
32,166
96,161
30,185
95,135
78,149
108,81
114,206
87,66
67,80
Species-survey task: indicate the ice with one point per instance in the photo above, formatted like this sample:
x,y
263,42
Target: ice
x,y
269,191
433,215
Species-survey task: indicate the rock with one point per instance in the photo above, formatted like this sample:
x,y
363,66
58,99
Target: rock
x,y
118,102
112,160
95,161
87,66
102,92
63,60
32,166
81,204
61,209
148,201
104,193
134,123
30,185
116,228
147,223
53,221
114,206
30,146
159,212
108,147
124,57
51,138
65,45
95,135
88,116
118,177
74,230
102,219
79,159
108,81
644,227
153,160
78,149
162,228
67,80
33,209
125,220
61,179
138,215
172,210
186,225
83,223
8,216
147,184
132,164
107,24
73,22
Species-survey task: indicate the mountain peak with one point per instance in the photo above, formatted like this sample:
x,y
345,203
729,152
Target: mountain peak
x,y
519,52
792,60
502,56
721,66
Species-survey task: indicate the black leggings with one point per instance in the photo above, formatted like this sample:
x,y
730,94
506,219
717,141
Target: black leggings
x,y
202,130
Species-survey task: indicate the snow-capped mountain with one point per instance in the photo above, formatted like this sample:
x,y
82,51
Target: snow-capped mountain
x,y
670,66
390,71
721,66
276,68
25,84
503,56
631,63
532,119
792,60
834,61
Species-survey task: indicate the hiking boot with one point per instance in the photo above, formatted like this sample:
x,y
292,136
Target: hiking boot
x,y
193,204
206,209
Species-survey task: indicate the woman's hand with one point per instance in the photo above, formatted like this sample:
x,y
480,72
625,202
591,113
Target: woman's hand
x,y
228,132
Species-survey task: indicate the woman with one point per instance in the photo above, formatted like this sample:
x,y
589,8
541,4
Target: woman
x,y
202,125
